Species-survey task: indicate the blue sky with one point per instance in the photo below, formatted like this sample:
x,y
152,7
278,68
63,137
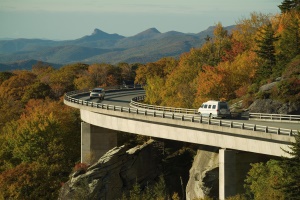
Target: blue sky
x,y
72,19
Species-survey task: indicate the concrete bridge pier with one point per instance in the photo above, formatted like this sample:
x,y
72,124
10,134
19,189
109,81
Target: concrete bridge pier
x,y
95,142
227,173
233,169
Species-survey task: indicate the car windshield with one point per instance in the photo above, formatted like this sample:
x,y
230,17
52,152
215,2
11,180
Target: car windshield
x,y
96,90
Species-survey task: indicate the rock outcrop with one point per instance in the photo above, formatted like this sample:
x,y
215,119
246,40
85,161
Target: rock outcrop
x,y
274,107
115,173
204,175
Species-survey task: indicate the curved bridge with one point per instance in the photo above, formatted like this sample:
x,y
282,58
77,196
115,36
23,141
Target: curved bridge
x,y
180,126
227,135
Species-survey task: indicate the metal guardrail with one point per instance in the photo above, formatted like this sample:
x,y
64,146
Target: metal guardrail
x,y
107,89
170,114
275,117
135,102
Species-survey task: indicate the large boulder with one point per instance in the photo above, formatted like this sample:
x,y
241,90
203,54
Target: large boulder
x,y
274,107
115,173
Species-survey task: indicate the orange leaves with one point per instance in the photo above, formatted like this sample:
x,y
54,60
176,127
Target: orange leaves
x,y
111,80
210,84
103,75
237,48
21,182
225,79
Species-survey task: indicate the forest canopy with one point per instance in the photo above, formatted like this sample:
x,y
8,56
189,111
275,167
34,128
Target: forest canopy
x,y
40,136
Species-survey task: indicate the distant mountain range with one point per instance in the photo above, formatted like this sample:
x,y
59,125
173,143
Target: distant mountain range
x,y
100,47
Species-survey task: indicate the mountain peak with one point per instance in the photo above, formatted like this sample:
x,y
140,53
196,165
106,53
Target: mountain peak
x,y
150,31
98,32
100,35
147,34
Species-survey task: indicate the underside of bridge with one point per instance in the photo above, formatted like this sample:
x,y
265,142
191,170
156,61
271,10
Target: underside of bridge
x,y
233,165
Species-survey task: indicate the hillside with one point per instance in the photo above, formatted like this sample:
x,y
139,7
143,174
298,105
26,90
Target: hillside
x,y
24,65
147,46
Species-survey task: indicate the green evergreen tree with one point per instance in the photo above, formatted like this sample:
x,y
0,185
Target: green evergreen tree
x,y
135,193
263,180
159,189
288,5
290,40
266,50
291,169
4,76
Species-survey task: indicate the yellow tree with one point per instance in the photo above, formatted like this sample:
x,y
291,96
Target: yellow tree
x,y
140,77
161,68
47,135
247,28
62,80
154,76
180,87
154,90
15,86
221,41
84,82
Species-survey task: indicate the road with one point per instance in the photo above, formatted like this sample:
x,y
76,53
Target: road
x,y
123,98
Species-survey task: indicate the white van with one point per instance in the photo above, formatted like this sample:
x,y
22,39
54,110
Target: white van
x,y
215,109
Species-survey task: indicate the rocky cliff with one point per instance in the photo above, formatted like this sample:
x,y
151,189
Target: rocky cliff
x,y
273,105
115,173
204,175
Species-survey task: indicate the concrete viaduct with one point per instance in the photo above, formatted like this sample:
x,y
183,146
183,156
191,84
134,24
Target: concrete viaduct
x,y
101,121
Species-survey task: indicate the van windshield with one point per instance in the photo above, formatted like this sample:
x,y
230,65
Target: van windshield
x,y
223,105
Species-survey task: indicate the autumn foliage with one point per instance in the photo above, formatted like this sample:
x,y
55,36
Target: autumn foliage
x,y
229,66
39,134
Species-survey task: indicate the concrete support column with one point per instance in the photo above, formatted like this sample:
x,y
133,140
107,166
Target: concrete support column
x,y
227,173
95,142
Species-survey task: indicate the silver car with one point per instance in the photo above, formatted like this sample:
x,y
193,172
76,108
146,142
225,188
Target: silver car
x,y
97,93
